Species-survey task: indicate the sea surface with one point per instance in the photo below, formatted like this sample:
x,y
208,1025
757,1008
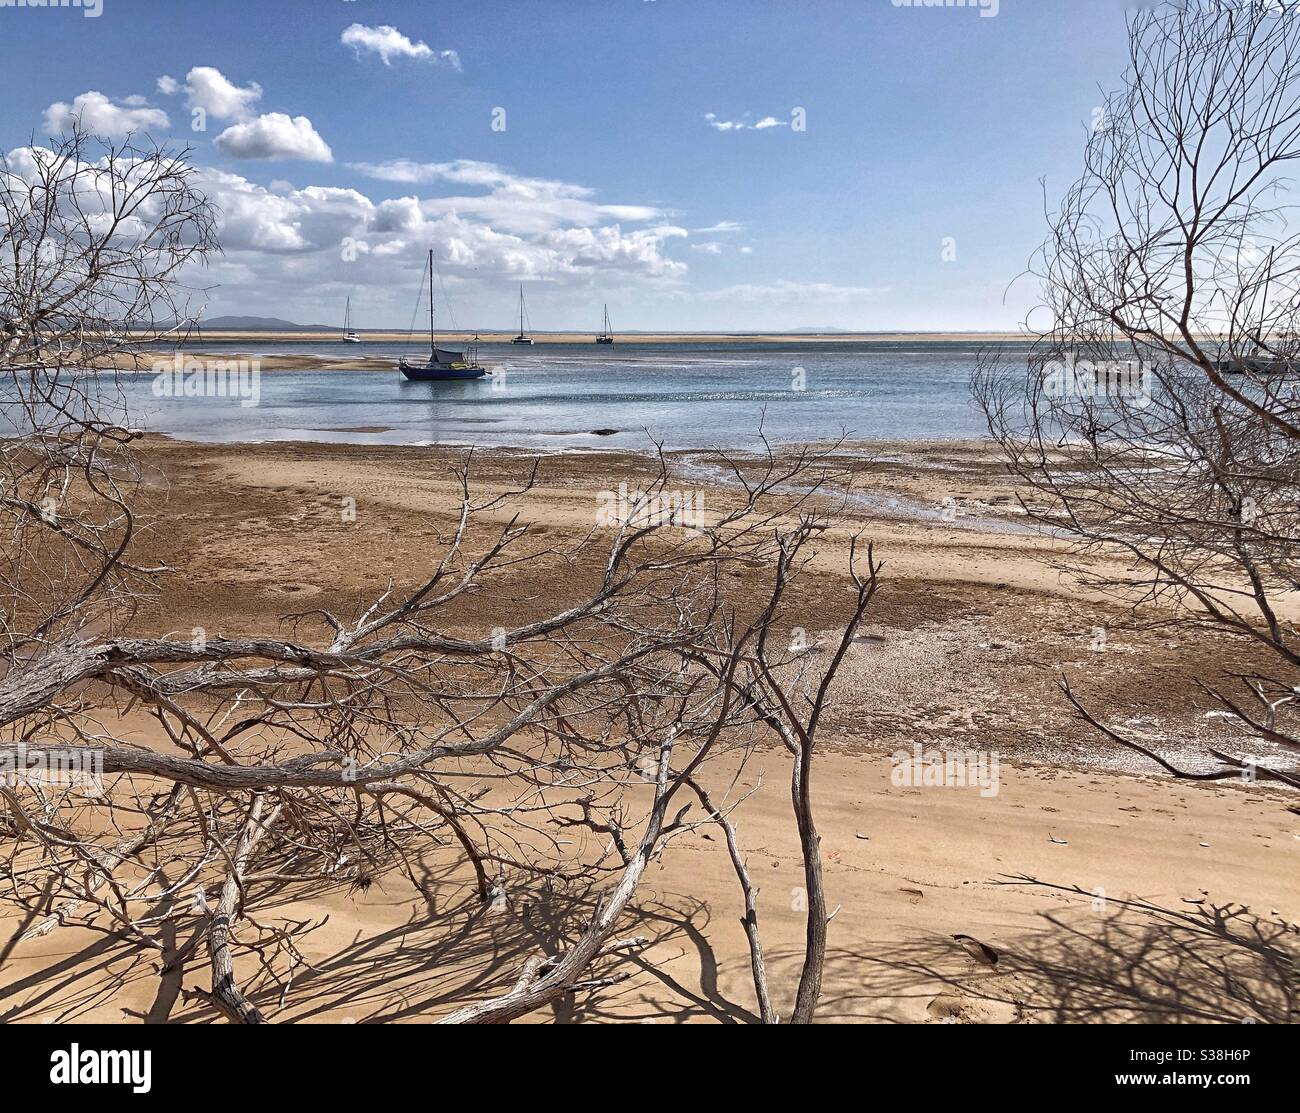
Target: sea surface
x,y
556,397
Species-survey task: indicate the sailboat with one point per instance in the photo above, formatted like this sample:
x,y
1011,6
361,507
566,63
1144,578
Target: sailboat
x,y
523,337
443,365
606,336
349,333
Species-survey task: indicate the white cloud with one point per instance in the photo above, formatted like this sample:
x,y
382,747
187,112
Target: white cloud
x,y
709,248
527,206
720,227
723,125
274,136
389,43
574,250
209,89
98,191
407,172
765,124
99,115
295,248
400,215
284,247
253,219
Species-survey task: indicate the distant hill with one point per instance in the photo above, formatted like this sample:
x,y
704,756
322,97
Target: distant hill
x,y
278,324
268,324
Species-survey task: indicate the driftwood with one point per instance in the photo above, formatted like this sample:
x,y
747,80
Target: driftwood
x,y
225,991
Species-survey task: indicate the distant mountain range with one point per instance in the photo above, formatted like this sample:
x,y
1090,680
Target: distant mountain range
x,y
277,324
268,324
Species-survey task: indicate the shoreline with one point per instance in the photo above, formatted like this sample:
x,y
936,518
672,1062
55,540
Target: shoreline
x,y
346,357
569,337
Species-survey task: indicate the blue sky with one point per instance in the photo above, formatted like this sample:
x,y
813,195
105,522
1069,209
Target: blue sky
x,y
615,177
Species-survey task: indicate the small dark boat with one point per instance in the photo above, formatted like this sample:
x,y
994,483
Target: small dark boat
x,y
448,367
1256,365
443,365
606,336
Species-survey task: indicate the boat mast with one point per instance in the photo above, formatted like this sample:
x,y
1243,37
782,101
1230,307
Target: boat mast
x,y
521,309
433,334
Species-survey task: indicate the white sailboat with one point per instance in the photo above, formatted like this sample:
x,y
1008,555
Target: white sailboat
x,y
349,333
606,336
523,337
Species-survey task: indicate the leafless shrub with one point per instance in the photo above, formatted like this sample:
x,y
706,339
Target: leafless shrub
x,y
1159,415
564,753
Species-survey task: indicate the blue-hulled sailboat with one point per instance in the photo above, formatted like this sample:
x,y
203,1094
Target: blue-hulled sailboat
x,y
443,365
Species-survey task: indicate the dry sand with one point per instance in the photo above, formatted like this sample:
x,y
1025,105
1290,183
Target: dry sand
x,y
973,631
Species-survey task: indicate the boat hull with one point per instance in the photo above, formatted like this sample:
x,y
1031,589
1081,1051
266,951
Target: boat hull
x,y
604,340
1255,366
438,372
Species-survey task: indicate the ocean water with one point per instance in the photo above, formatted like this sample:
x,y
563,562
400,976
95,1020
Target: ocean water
x,y
554,397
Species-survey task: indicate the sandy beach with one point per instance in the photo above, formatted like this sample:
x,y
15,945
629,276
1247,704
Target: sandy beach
x,y
1155,900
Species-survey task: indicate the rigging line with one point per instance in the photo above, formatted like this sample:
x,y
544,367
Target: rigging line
x,y
446,302
419,298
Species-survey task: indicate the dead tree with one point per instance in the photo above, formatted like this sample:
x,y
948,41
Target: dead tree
x,y
366,739
1159,415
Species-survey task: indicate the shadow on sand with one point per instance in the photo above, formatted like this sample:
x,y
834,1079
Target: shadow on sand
x,y
1094,961
1087,962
